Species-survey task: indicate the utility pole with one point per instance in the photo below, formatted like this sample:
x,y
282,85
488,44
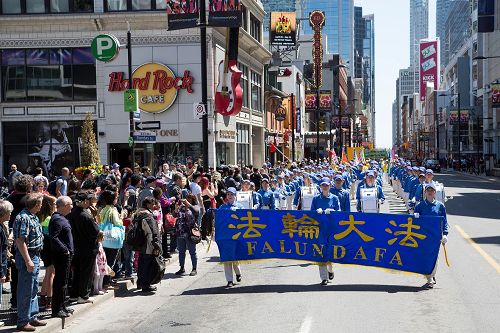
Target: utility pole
x,y
130,86
292,110
204,81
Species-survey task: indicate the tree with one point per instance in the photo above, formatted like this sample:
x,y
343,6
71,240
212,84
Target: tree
x,y
90,151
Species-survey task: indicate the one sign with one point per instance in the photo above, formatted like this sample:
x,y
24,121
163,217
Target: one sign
x,y
283,28
157,84
130,100
199,110
224,13
325,100
495,95
182,14
464,117
310,101
147,125
144,137
105,47
429,65
317,21
130,141
394,241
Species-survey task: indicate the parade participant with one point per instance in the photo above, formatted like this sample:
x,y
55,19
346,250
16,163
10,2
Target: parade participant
x,y
418,192
369,183
267,195
61,246
325,202
310,189
256,198
341,193
431,207
29,242
233,205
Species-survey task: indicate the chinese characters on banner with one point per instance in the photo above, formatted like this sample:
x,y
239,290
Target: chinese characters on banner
x,y
429,65
398,242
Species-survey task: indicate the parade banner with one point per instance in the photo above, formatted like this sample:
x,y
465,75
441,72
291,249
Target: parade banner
x,y
182,14
392,241
325,100
310,101
429,65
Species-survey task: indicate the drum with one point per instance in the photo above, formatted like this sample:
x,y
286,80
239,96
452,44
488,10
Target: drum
x,y
307,195
440,195
245,199
369,200
289,202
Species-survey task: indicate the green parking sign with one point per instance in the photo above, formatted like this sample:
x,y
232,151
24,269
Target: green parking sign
x,y
105,47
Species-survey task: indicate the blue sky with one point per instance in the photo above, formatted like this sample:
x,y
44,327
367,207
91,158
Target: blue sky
x,y
392,32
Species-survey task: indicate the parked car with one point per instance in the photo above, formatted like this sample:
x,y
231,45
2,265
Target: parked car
x,y
433,165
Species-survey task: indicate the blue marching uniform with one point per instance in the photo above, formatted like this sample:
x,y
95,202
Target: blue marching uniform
x,y
380,194
320,201
344,199
267,198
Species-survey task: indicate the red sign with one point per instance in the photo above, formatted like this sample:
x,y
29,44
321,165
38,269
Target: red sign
x,y
157,80
429,65
310,101
495,95
317,21
325,100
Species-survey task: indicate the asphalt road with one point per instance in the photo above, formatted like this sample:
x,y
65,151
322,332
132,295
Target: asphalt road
x,y
285,296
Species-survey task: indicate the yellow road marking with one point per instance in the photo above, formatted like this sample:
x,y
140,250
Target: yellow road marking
x,y
483,253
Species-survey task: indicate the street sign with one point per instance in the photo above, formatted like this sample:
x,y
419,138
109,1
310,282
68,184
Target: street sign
x,y
199,110
130,100
147,125
130,141
144,137
105,47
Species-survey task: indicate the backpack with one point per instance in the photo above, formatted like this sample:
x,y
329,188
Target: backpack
x,y
52,186
135,236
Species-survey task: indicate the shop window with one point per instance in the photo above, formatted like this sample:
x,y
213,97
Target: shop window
x,y
255,28
161,4
134,5
46,6
11,7
242,144
117,5
141,4
256,96
35,6
244,83
59,6
48,75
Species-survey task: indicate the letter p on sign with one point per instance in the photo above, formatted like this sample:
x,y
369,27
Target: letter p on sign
x,y
105,47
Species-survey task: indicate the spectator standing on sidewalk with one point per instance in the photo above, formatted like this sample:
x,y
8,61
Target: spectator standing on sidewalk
x,y
61,245
13,175
6,209
29,243
45,214
186,212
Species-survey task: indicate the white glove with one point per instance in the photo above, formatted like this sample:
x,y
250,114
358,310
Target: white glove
x,y
319,211
329,210
381,201
444,240
234,208
416,215
294,207
256,206
413,200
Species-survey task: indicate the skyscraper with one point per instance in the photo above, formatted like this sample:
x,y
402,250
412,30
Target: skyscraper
x,y
359,35
339,25
457,27
442,8
369,70
419,28
276,6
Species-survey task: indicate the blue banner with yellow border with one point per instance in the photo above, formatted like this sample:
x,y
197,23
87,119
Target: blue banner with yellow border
x,y
392,241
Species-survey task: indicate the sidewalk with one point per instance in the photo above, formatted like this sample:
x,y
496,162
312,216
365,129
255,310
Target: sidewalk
x,y
466,174
9,317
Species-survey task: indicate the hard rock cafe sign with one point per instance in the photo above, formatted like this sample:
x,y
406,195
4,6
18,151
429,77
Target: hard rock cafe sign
x,y
157,84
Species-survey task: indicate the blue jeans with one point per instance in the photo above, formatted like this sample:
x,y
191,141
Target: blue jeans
x,y
128,260
27,289
184,244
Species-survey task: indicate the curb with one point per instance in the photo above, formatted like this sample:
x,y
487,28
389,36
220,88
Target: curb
x,y
466,174
56,324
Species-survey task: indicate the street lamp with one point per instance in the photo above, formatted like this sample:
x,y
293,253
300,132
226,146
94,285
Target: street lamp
x,y
459,123
335,70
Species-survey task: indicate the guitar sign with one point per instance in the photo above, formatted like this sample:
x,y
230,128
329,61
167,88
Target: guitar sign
x,y
228,94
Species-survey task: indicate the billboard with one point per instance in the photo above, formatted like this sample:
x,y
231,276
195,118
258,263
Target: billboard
x,y
224,13
464,117
283,29
182,14
429,65
495,95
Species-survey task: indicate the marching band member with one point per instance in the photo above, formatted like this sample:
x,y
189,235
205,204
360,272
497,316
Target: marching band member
x,y
268,201
229,267
418,193
431,207
298,200
369,183
325,202
341,193
256,198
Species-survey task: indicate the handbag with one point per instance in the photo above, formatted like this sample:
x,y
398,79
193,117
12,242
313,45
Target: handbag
x,y
114,235
195,235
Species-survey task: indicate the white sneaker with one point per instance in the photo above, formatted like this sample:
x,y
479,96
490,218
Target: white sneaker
x,y
84,301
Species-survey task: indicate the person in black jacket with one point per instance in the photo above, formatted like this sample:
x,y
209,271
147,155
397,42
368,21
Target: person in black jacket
x,y
84,230
61,246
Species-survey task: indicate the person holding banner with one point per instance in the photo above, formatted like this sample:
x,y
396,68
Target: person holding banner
x,y
229,267
268,201
431,207
325,202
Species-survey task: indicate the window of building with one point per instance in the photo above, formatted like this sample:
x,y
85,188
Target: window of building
x,y
48,75
256,95
242,144
244,19
134,5
255,28
244,83
45,6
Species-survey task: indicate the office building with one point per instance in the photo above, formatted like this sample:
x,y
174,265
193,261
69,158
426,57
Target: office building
x,y
419,28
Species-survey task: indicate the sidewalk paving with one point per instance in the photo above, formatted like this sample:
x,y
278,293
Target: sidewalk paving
x,y
467,174
9,316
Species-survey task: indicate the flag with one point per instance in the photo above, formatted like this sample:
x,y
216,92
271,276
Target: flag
x,y
344,156
392,154
333,156
362,155
356,160
272,146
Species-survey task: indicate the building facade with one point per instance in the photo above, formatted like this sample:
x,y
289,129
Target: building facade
x,y
359,36
442,8
457,27
369,73
419,28
50,81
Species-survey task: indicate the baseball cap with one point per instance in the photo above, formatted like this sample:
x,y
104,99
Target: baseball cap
x,y
430,185
338,177
370,174
245,181
429,171
150,179
231,190
264,180
421,175
325,180
115,166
